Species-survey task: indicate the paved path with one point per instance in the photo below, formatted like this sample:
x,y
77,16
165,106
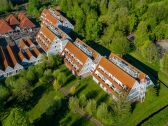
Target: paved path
x,y
80,111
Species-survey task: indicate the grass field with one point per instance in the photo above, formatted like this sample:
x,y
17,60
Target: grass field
x,y
152,102
43,104
161,116
91,89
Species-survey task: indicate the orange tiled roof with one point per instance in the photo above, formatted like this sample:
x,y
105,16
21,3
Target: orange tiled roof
x,y
29,41
12,20
47,33
12,56
4,27
117,72
36,51
29,54
50,17
77,52
22,44
95,53
21,16
42,44
24,21
21,55
5,62
141,74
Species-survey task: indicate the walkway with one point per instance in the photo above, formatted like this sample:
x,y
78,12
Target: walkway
x,y
80,111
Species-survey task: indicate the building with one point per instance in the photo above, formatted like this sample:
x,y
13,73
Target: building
x,y
113,74
4,27
80,58
116,76
52,42
17,57
53,18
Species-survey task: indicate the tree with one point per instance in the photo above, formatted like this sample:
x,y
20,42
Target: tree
x,y
53,61
121,108
82,101
132,22
56,105
164,63
30,75
141,35
93,26
56,85
73,90
33,8
22,90
102,111
120,44
16,118
62,78
48,73
150,51
161,31
73,103
5,5
4,93
91,107
103,6
56,73
103,114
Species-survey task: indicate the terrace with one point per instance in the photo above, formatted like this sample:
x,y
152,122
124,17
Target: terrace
x,y
125,67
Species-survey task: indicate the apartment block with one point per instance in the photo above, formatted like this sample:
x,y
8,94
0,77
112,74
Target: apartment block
x,y
52,41
53,18
80,58
116,76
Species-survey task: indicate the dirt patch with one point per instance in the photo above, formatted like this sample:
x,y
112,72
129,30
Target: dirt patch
x,y
163,44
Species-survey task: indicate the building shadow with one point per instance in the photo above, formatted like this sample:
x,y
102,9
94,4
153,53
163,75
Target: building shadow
x,y
50,120
144,68
92,94
99,48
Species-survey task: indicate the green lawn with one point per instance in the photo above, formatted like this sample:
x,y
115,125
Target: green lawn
x,y
152,102
158,120
43,104
74,119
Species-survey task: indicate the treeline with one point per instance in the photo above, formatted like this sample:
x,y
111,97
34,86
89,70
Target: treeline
x,y
18,93
5,5
109,22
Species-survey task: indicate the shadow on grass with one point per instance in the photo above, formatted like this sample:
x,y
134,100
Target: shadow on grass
x,y
99,48
70,79
80,89
37,94
141,66
92,94
103,98
53,120
133,106
79,122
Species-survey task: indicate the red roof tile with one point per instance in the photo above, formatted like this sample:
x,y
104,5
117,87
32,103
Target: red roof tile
x,y
117,72
21,55
4,27
24,21
5,62
77,52
29,41
141,74
22,44
12,20
12,56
